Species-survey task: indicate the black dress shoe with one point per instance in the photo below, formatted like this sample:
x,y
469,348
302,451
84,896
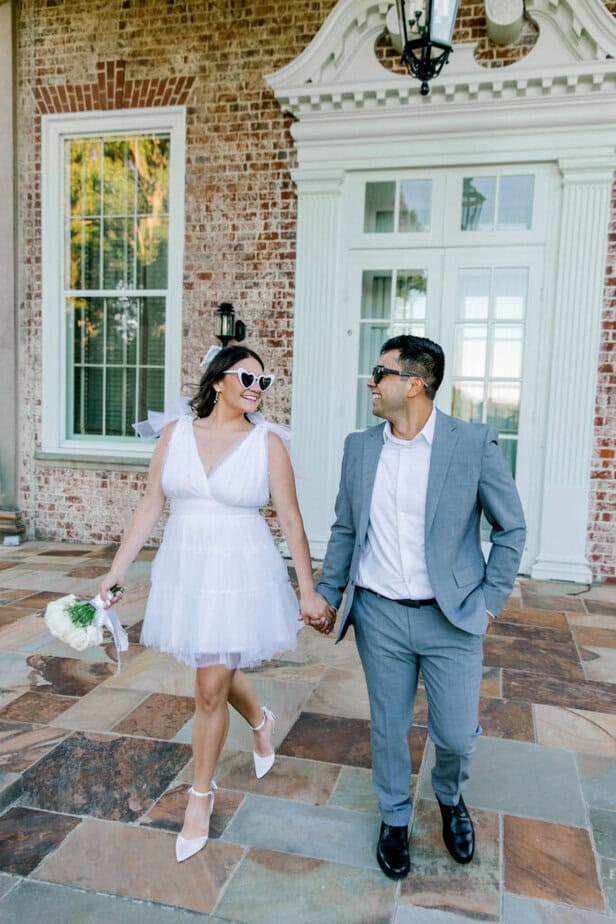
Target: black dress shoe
x,y
458,831
392,851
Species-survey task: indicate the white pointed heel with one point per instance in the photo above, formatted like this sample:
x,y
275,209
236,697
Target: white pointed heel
x,y
186,847
263,764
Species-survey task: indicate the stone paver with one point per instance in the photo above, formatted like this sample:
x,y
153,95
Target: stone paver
x,y
276,888
140,863
411,914
7,883
519,910
437,881
604,829
518,778
62,904
10,787
308,830
598,776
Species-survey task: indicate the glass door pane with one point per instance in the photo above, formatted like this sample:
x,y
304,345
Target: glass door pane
x,y
488,344
116,236
398,206
491,203
393,302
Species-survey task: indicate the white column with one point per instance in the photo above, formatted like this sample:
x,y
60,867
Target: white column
x,y
573,356
316,287
8,396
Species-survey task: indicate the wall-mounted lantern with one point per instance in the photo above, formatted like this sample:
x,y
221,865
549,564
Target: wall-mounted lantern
x,y
226,326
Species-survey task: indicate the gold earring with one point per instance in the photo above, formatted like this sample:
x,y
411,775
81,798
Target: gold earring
x,y
217,395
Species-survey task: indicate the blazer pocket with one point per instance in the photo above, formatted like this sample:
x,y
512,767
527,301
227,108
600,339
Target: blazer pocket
x,y
469,574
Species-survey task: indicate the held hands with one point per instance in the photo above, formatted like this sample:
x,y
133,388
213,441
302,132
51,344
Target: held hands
x,y
315,611
112,579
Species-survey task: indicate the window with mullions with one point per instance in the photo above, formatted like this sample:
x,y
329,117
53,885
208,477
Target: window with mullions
x,y
112,194
497,203
398,206
393,302
487,361
116,236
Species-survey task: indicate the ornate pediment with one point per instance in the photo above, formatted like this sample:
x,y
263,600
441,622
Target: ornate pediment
x,y
339,70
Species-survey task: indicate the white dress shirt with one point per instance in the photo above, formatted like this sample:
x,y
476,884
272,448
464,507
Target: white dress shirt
x,y
393,560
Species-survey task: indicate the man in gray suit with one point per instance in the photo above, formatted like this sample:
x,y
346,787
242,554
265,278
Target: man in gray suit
x,y
406,547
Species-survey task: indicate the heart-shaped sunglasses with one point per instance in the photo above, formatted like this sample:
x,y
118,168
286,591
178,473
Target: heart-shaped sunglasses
x,y
247,379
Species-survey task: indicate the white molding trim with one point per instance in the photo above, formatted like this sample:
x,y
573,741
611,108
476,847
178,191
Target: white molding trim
x,y
338,72
575,339
504,20
584,27
316,441
54,399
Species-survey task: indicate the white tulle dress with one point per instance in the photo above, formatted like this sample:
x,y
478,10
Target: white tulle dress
x,y
220,590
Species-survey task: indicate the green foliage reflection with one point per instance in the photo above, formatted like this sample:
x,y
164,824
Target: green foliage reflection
x,y
118,201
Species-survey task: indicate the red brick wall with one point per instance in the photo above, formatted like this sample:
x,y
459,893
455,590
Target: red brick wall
x,y
602,526
88,504
75,55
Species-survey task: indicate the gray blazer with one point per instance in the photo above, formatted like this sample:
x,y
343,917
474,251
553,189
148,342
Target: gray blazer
x,y
468,475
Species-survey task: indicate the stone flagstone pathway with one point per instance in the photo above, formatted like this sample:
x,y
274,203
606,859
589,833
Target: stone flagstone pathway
x,y
94,770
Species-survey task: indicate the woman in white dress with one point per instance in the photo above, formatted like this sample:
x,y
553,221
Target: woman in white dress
x,y
220,598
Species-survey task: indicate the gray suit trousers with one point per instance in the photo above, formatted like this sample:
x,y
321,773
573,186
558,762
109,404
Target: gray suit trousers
x,y
396,642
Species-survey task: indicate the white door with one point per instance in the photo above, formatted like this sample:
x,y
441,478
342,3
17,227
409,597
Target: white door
x,y
490,331
482,304
389,293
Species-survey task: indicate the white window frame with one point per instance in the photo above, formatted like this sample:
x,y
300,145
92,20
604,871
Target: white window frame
x,y
55,129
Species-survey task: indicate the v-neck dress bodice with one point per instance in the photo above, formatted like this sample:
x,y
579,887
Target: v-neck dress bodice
x,y
220,590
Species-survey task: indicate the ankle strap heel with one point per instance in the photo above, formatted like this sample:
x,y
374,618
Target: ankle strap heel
x,y
186,847
263,764
267,714
202,795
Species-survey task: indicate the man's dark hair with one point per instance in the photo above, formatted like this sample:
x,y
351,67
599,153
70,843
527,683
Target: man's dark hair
x,y
420,355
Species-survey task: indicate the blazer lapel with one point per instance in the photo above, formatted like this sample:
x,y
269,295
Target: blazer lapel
x,y
373,445
445,439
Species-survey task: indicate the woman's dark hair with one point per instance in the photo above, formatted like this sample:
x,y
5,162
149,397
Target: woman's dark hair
x,y
418,354
203,402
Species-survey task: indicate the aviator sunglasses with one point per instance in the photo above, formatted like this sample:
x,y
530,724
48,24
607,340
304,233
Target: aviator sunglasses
x,y
379,371
247,379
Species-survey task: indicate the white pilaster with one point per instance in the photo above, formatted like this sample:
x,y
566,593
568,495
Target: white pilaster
x,y
573,355
317,281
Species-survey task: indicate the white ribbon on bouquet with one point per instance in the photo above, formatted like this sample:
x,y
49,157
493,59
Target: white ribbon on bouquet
x,y
105,618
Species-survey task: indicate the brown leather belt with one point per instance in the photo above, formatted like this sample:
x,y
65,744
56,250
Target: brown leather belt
x,y
415,604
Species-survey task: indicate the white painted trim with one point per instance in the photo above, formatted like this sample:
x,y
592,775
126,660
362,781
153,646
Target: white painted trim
x,y
582,248
446,186
582,28
316,332
339,73
504,21
54,399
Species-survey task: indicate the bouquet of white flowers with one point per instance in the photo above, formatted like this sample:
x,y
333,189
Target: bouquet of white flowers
x,y
80,623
